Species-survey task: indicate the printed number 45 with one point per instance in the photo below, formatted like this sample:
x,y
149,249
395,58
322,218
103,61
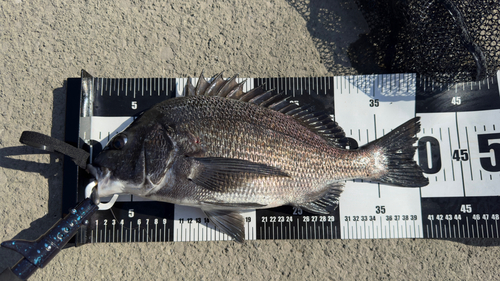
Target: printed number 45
x,y
456,101
464,155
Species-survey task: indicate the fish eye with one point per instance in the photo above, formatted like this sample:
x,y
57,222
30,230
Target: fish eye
x,y
119,142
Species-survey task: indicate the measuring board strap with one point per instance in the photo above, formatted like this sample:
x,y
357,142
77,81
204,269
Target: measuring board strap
x,y
458,148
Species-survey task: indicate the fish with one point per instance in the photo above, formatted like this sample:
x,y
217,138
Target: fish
x,y
224,151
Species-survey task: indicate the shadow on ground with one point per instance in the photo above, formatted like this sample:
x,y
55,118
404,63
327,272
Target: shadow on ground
x,y
334,26
38,227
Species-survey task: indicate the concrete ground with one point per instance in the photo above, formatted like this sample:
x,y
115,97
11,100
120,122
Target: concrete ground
x,y
44,42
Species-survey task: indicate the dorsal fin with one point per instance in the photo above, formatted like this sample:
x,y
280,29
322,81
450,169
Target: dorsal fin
x,y
318,122
201,86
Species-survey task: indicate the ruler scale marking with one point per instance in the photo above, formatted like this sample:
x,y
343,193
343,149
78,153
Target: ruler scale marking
x,y
375,86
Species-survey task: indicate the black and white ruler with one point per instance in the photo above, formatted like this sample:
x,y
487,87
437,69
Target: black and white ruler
x,y
458,148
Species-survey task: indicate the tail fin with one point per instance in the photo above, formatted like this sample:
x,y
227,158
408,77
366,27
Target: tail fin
x,y
398,151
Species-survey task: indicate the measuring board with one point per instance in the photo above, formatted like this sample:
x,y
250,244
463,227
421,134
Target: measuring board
x,y
458,149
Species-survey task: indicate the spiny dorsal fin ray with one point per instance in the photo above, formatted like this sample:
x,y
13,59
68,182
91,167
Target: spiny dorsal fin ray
x,y
252,94
189,90
230,84
318,122
236,92
260,99
201,86
280,104
273,101
217,83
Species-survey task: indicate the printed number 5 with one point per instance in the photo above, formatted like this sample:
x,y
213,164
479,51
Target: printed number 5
x,y
134,104
485,146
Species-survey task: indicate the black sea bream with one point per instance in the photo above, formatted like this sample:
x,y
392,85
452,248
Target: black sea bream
x,y
224,151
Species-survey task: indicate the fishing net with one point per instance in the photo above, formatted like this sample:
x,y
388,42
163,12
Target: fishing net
x,y
446,40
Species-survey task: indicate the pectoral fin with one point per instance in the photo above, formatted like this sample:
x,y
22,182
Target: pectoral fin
x,y
229,222
242,206
223,174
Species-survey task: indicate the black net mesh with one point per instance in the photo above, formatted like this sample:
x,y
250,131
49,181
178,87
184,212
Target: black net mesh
x,y
446,40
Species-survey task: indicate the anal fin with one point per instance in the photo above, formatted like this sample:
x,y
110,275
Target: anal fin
x,y
229,222
328,203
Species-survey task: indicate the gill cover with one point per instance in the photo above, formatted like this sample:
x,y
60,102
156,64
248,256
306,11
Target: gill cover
x,y
135,159
158,149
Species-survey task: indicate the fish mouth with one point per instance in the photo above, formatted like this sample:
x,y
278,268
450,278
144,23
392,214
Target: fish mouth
x,y
106,186
96,172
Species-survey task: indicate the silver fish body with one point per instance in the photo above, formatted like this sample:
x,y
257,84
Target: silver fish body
x,y
224,151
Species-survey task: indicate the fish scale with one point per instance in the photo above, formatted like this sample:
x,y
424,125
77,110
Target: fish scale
x,y
226,109
280,156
